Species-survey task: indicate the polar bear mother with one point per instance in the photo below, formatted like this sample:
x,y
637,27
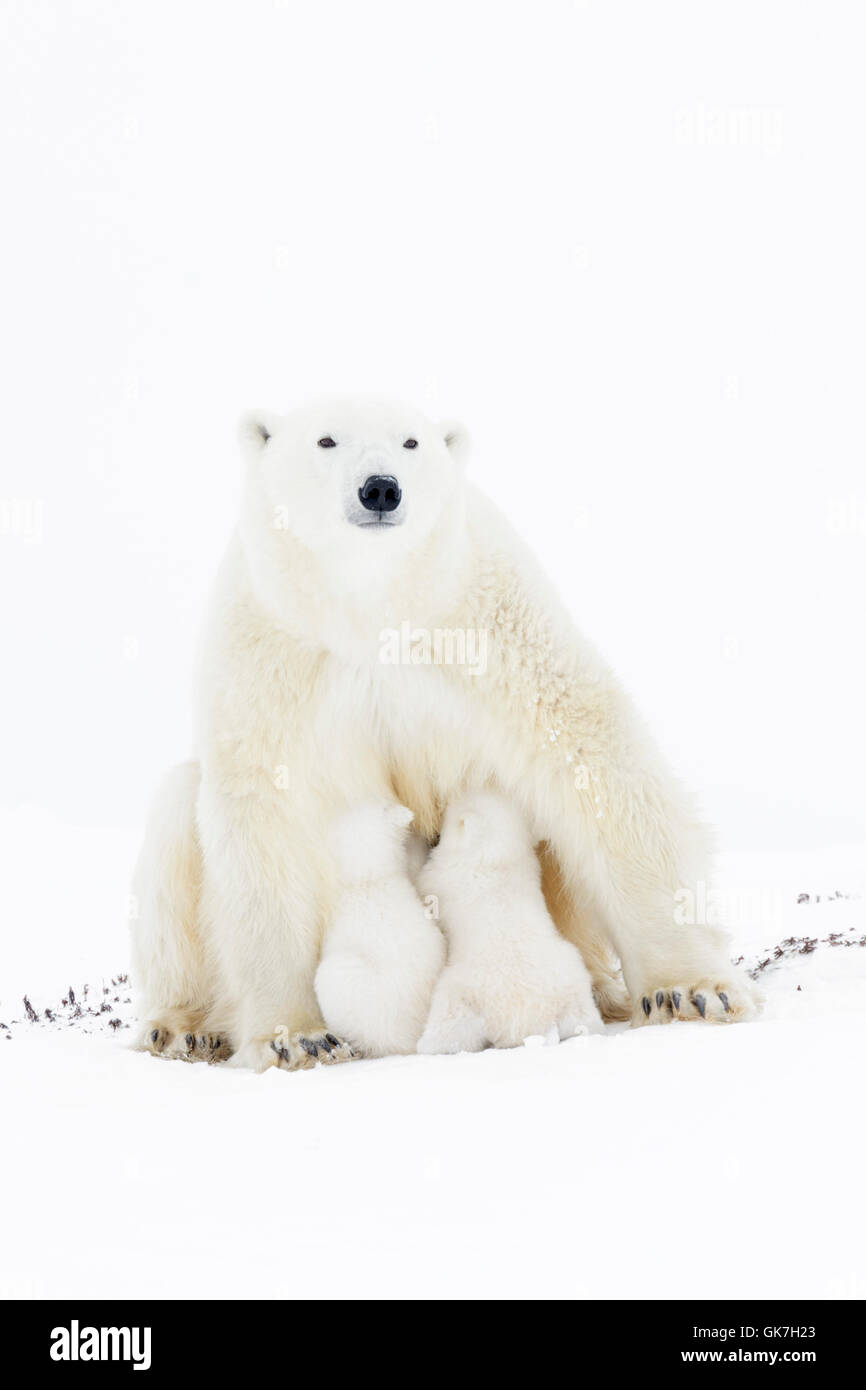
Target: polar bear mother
x,y
356,520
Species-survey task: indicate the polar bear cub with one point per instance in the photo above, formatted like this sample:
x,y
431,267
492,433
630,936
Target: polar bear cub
x,y
382,953
510,975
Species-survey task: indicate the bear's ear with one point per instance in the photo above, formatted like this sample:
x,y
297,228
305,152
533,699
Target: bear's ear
x,y
456,438
255,430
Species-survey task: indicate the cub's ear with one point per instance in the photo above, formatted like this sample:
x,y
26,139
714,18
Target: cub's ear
x,y
255,430
456,438
469,821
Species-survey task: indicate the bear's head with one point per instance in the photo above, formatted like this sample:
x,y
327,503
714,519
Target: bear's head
x,y
351,478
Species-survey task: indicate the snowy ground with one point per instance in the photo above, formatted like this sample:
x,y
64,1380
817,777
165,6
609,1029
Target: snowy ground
x,y
685,1161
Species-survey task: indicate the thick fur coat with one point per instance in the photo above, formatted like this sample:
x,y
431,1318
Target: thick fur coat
x,y
303,711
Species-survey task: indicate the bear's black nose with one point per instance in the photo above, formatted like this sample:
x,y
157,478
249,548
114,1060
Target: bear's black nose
x,y
380,494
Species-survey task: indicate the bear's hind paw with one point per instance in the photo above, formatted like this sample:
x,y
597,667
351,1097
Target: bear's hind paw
x,y
719,1001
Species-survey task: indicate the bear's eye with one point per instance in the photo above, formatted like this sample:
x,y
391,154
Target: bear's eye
x,y
326,442
410,443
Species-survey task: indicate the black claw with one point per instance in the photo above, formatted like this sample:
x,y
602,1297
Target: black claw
x,y
646,1006
335,1042
700,1004
274,1048
218,1042
284,1054
202,1042
660,998
154,1035
725,1001
309,1047
676,996
323,1043
189,1040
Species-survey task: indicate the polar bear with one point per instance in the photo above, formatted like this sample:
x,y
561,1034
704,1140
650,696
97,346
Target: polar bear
x,y
510,974
382,952
358,529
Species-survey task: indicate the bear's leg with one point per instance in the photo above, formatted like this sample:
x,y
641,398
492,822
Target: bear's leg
x,y
565,742
575,920
280,1025
677,972
642,858
173,985
261,903
627,843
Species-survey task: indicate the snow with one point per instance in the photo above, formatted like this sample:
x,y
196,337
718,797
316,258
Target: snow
x,y
650,308
689,1161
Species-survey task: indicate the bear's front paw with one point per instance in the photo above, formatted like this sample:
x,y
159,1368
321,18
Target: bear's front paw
x,y
713,1001
317,1046
295,1052
201,1047
153,1036
177,1038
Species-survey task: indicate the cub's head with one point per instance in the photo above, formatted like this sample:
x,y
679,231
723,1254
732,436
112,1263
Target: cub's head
x,y
484,829
369,841
349,477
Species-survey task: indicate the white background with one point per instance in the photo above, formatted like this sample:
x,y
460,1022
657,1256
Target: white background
x,y
623,241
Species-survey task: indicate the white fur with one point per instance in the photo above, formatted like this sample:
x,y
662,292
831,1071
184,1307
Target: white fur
x,y
298,717
382,953
510,975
